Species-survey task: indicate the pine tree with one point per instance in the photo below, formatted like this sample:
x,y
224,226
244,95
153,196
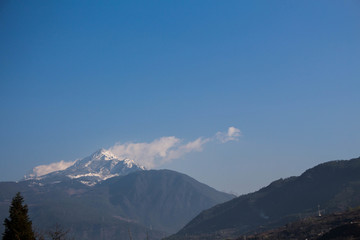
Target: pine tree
x,y
18,226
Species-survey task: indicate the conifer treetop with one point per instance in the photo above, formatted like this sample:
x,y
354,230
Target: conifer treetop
x,y
18,225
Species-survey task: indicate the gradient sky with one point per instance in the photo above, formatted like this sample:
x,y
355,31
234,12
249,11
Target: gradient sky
x,y
76,76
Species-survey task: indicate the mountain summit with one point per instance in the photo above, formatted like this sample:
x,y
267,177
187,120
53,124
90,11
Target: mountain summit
x,y
99,166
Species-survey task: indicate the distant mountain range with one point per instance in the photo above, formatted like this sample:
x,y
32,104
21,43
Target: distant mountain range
x,y
104,197
329,187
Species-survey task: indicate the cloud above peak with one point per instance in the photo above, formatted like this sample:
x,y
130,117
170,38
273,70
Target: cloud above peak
x,y
166,149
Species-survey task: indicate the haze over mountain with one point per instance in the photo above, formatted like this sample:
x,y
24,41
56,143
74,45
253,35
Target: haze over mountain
x,y
329,187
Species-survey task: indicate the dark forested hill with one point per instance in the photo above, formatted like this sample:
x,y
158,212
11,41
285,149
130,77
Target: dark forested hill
x,y
157,202
329,187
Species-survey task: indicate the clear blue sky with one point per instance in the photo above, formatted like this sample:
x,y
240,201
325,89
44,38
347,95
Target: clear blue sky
x,y
76,76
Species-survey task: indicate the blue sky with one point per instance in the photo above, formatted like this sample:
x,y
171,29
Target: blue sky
x,y
76,76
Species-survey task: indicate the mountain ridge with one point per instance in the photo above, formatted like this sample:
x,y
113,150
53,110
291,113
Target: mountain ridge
x,y
330,186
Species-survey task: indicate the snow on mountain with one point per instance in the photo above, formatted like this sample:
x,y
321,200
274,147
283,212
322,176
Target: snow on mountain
x,y
99,166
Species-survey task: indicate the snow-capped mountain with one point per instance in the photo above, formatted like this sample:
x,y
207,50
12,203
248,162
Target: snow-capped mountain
x,y
97,167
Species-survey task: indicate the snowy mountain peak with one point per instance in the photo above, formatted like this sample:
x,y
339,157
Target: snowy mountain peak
x,y
99,166
103,154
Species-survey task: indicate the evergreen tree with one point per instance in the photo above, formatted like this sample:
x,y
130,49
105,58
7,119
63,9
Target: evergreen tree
x,y
18,226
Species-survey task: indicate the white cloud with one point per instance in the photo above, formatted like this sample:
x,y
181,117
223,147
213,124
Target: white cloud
x,y
157,152
166,149
45,169
194,146
232,134
147,154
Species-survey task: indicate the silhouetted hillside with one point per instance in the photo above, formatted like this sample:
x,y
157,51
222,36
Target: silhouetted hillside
x,y
332,186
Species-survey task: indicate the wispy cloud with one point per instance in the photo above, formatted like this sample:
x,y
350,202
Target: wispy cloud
x,y
45,169
232,134
147,154
157,152
166,149
179,151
